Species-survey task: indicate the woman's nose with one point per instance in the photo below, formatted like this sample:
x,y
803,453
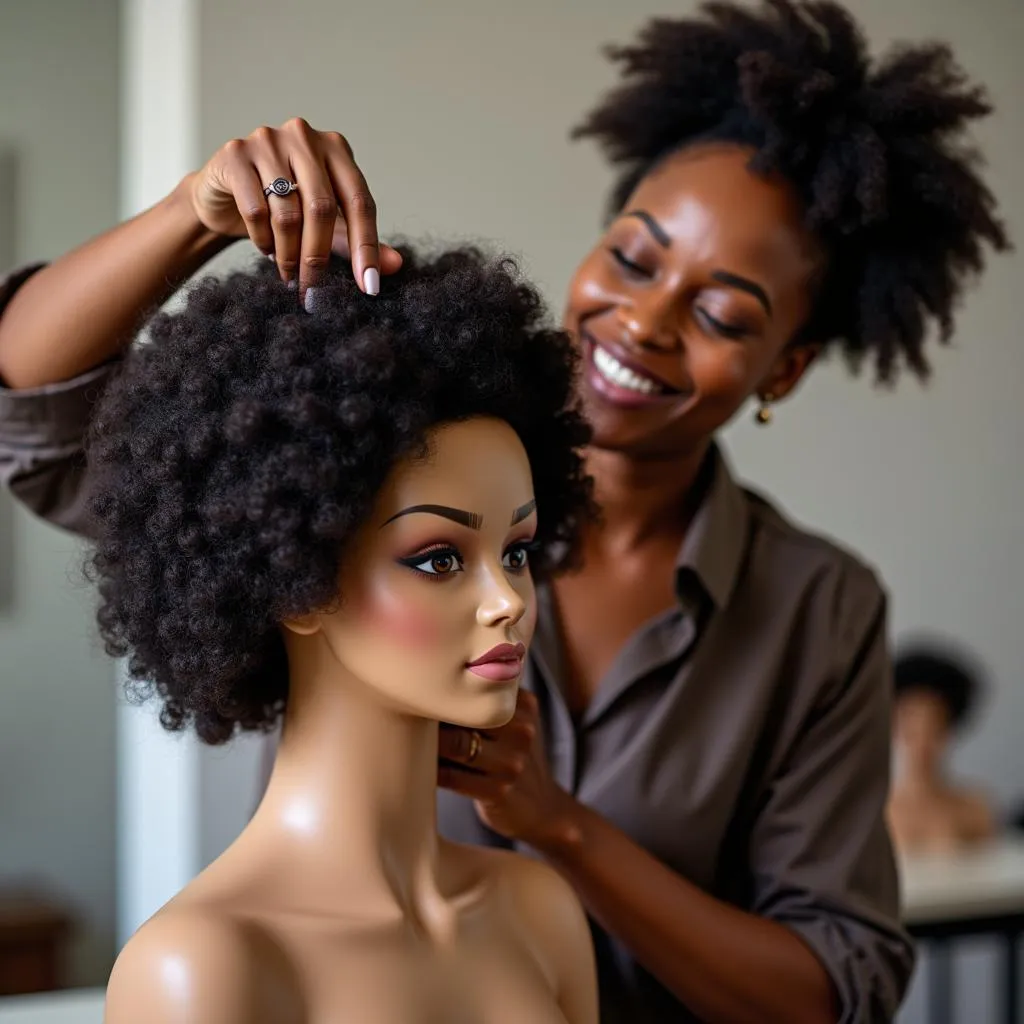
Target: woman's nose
x,y
646,322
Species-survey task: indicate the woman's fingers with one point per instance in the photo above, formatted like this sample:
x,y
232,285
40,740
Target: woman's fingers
x,y
247,190
390,258
285,211
480,753
358,209
471,784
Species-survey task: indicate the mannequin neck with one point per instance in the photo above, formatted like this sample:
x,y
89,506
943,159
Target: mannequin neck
x,y
351,802
920,774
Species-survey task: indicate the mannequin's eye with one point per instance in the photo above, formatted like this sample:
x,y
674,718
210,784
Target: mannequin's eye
x,y
517,557
436,563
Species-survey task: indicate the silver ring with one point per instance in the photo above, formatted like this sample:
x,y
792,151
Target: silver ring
x,y
280,187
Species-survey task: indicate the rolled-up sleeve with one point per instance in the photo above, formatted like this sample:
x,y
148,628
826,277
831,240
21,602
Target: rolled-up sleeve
x,y
42,438
821,852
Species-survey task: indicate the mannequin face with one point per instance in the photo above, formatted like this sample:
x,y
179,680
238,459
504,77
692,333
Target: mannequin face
x,y
424,593
921,730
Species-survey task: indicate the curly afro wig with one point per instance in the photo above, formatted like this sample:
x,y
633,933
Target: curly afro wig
x,y
875,150
237,452
947,675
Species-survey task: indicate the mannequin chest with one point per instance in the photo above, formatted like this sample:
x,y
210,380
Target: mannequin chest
x,y
330,974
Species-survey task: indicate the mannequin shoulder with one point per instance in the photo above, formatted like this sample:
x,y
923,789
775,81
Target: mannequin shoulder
x,y
976,813
554,918
201,966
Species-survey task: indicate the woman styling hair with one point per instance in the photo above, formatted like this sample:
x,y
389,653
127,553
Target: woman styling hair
x,y
702,745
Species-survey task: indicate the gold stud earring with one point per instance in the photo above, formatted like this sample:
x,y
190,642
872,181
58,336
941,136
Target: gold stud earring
x,y
763,416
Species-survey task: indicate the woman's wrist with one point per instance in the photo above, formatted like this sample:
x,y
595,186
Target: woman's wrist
x,y
563,827
202,243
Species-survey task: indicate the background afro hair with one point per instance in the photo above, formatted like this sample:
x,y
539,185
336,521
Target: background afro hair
x,y
876,151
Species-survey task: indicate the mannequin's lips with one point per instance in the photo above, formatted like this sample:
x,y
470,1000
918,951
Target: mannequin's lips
x,y
501,663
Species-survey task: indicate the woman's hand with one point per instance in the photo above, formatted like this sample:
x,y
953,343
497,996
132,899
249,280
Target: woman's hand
x,y
506,774
332,209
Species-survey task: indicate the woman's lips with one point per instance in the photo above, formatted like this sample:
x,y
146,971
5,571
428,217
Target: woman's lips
x,y
617,393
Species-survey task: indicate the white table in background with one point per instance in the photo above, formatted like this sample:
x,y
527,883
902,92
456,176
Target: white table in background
x,y
81,1006
951,896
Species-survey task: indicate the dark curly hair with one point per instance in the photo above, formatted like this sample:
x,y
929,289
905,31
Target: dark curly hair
x,y
874,149
949,675
237,452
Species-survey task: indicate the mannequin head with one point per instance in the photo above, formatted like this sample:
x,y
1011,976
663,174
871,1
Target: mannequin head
x,y
935,693
252,461
437,577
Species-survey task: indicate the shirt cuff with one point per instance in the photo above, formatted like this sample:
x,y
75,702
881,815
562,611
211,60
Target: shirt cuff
x,y
52,416
869,970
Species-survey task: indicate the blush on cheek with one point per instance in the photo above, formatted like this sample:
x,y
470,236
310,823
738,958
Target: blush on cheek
x,y
407,622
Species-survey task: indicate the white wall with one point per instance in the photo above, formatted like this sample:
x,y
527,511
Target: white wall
x,y
58,117
458,112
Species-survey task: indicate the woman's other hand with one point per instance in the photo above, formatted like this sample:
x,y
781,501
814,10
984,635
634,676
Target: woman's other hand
x,y
505,772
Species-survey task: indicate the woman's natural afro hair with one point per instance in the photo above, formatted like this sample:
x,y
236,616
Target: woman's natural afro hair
x,y
241,447
875,151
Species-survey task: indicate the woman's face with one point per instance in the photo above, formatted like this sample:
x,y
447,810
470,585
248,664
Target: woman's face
x,y
439,578
688,303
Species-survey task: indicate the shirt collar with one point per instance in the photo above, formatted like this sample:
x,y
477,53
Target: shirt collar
x,y
716,540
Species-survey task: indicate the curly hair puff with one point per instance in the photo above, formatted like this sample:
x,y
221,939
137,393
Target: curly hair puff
x,y
875,150
950,675
237,452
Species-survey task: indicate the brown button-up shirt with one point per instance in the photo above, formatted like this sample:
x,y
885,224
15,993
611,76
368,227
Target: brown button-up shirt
x,y
741,737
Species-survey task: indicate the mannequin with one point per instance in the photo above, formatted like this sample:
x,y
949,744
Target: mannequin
x,y
928,812
336,517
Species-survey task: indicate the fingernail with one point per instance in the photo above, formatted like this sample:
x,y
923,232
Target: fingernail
x,y
293,284
310,300
371,281
270,256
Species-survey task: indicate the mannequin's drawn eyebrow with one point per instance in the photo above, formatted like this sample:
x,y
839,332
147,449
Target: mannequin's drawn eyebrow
x,y
457,515
523,511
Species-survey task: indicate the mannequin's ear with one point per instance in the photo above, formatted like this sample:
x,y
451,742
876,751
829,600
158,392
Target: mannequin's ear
x,y
788,370
304,625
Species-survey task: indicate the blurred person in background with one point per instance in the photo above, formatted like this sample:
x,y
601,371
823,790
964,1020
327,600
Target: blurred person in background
x,y
702,742
937,690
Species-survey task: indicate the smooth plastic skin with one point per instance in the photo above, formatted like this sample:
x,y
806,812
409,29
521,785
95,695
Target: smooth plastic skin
x,y
927,811
339,902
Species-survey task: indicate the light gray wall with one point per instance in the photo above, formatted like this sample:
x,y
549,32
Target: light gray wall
x,y
58,118
458,111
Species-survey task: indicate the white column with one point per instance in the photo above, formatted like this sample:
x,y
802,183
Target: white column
x,y
180,803
158,774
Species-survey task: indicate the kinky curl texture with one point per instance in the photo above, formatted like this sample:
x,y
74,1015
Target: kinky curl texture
x,y
949,675
237,453
875,150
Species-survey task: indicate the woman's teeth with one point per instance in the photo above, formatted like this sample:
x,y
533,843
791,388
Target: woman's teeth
x,y
621,376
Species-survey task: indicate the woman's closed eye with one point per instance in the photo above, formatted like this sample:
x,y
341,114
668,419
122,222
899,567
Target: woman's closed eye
x,y
630,265
720,327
